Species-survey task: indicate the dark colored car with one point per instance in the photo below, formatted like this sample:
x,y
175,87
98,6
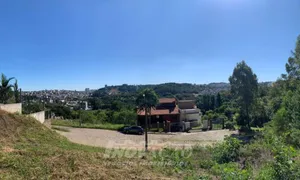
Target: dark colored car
x,y
122,128
175,128
134,130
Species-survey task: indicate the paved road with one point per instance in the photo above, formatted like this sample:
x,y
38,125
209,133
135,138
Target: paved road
x,y
114,139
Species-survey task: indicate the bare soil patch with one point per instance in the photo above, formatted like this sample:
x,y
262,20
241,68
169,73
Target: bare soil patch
x,y
114,139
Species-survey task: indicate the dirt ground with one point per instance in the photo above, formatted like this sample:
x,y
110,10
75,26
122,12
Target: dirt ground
x,y
114,139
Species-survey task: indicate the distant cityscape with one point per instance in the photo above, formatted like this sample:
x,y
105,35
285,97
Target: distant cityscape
x,y
79,99
70,98
59,94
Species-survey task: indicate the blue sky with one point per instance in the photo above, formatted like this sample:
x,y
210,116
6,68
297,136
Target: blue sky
x,y
74,44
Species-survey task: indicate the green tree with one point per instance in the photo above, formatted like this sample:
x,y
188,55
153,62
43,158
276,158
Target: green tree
x,y
5,88
228,151
259,114
212,102
206,102
101,116
244,88
293,64
87,117
17,92
219,100
32,107
146,99
60,110
287,119
284,101
124,116
116,106
96,103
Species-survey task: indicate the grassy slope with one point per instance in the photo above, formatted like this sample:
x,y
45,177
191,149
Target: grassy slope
x,y
29,150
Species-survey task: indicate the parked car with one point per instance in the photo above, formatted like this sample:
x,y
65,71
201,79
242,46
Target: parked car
x,y
134,130
122,128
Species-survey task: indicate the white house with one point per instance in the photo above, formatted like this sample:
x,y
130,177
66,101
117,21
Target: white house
x,y
189,112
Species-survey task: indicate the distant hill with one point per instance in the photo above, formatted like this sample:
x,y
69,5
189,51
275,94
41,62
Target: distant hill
x,y
166,89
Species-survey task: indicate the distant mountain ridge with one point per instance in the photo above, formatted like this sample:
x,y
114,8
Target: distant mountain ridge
x,y
166,89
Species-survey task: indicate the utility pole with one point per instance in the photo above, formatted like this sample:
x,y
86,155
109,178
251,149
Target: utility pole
x,y
146,125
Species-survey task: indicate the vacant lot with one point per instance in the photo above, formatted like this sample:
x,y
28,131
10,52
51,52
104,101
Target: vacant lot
x,y
114,139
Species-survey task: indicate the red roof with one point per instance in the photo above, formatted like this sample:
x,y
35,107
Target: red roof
x,y
167,100
155,112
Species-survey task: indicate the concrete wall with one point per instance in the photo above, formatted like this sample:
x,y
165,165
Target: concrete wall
x,y
186,104
12,108
40,116
191,115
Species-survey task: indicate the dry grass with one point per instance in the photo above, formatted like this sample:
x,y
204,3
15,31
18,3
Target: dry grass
x,y
29,150
8,128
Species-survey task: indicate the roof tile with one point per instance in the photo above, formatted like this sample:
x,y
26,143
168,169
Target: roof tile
x,y
160,111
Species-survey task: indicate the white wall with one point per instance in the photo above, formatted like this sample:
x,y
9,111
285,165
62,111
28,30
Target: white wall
x,y
12,108
192,117
40,116
188,117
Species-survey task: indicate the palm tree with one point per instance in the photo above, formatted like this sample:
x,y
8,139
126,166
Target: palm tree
x,y
5,88
146,100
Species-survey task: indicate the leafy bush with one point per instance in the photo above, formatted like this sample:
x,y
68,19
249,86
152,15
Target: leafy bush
x,y
204,156
88,117
279,120
293,137
101,116
228,151
28,108
60,110
229,125
256,155
231,171
206,163
124,116
284,165
267,172
76,124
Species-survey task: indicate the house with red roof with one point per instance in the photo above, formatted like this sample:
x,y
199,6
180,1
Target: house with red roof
x,y
172,115
165,111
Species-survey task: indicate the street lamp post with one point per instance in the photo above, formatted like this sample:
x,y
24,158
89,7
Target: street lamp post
x,y
146,124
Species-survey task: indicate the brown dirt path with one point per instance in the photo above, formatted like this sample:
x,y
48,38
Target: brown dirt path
x,y
114,139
